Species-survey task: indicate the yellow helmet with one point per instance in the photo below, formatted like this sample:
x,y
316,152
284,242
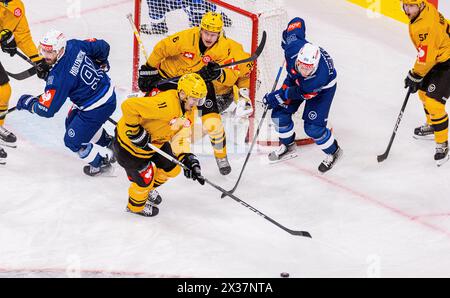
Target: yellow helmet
x,y
412,2
193,85
212,21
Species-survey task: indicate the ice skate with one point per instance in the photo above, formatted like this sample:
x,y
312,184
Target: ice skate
x,y
283,153
441,155
424,132
7,138
330,160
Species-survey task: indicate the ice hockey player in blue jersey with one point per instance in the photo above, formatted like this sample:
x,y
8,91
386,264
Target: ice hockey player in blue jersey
x,y
311,78
195,10
78,71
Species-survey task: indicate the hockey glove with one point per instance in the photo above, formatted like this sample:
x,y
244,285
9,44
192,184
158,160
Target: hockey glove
x,y
27,102
42,69
210,72
276,98
148,77
8,42
413,81
193,170
140,138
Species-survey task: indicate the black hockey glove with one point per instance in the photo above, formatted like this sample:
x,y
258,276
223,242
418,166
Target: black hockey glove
x,y
192,164
148,77
413,81
140,139
210,72
42,69
8,42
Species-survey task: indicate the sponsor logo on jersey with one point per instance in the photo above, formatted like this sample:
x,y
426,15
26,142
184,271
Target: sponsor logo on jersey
x,y
206,59
187,123
17,12
92,39
147,174
47,98
422,52
189,55
296,25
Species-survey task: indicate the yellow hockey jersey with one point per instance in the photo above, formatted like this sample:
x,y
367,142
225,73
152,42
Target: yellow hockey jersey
x,y
163,118
180,54
12,17
237,53
430,34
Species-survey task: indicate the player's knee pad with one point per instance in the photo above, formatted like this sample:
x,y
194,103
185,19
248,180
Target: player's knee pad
x,y
162,176
143,177
314,131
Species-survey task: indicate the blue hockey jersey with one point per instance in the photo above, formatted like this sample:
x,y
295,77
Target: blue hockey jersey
x,y
78,76
298,87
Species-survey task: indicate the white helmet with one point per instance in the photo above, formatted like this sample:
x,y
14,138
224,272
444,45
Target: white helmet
x,y
53,41
308,59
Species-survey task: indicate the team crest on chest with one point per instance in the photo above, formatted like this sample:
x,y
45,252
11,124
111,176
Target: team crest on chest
x,y
206,59
17,12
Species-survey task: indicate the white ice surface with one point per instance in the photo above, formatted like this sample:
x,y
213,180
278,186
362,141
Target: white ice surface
x,y
366,218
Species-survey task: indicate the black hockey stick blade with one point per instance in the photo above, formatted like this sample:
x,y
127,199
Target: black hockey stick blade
x,y
382,157
23,75
292,232
252,58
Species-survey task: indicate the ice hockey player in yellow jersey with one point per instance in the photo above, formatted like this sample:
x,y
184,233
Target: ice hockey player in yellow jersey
x,y
198,49
163,120
430,33
14,33
236,99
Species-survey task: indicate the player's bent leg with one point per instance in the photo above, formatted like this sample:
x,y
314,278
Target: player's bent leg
x,y
7,138
425,131
324,139
439,122
284,126
212,123
143,180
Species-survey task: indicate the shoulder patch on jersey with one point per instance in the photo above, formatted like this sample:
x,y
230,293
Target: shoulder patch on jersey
x,y
47,98
18,12
422,51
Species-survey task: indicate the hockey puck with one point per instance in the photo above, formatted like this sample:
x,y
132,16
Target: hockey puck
x,y
284,274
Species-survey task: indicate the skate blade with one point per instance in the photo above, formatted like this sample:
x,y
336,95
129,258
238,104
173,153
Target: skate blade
x,y
442,161
284,158
6,144
424,138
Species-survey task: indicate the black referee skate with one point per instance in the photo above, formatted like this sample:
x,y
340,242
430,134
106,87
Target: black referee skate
x,y
7,138
330,160
3,156
441,155
424,132
224,165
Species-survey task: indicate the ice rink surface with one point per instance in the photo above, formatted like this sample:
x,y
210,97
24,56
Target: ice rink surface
x,y
367,219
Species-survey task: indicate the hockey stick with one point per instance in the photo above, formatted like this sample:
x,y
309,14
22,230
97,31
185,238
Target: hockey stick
x,y
252,58
224,194
137,35
7,112
383,156
176,161
24,74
